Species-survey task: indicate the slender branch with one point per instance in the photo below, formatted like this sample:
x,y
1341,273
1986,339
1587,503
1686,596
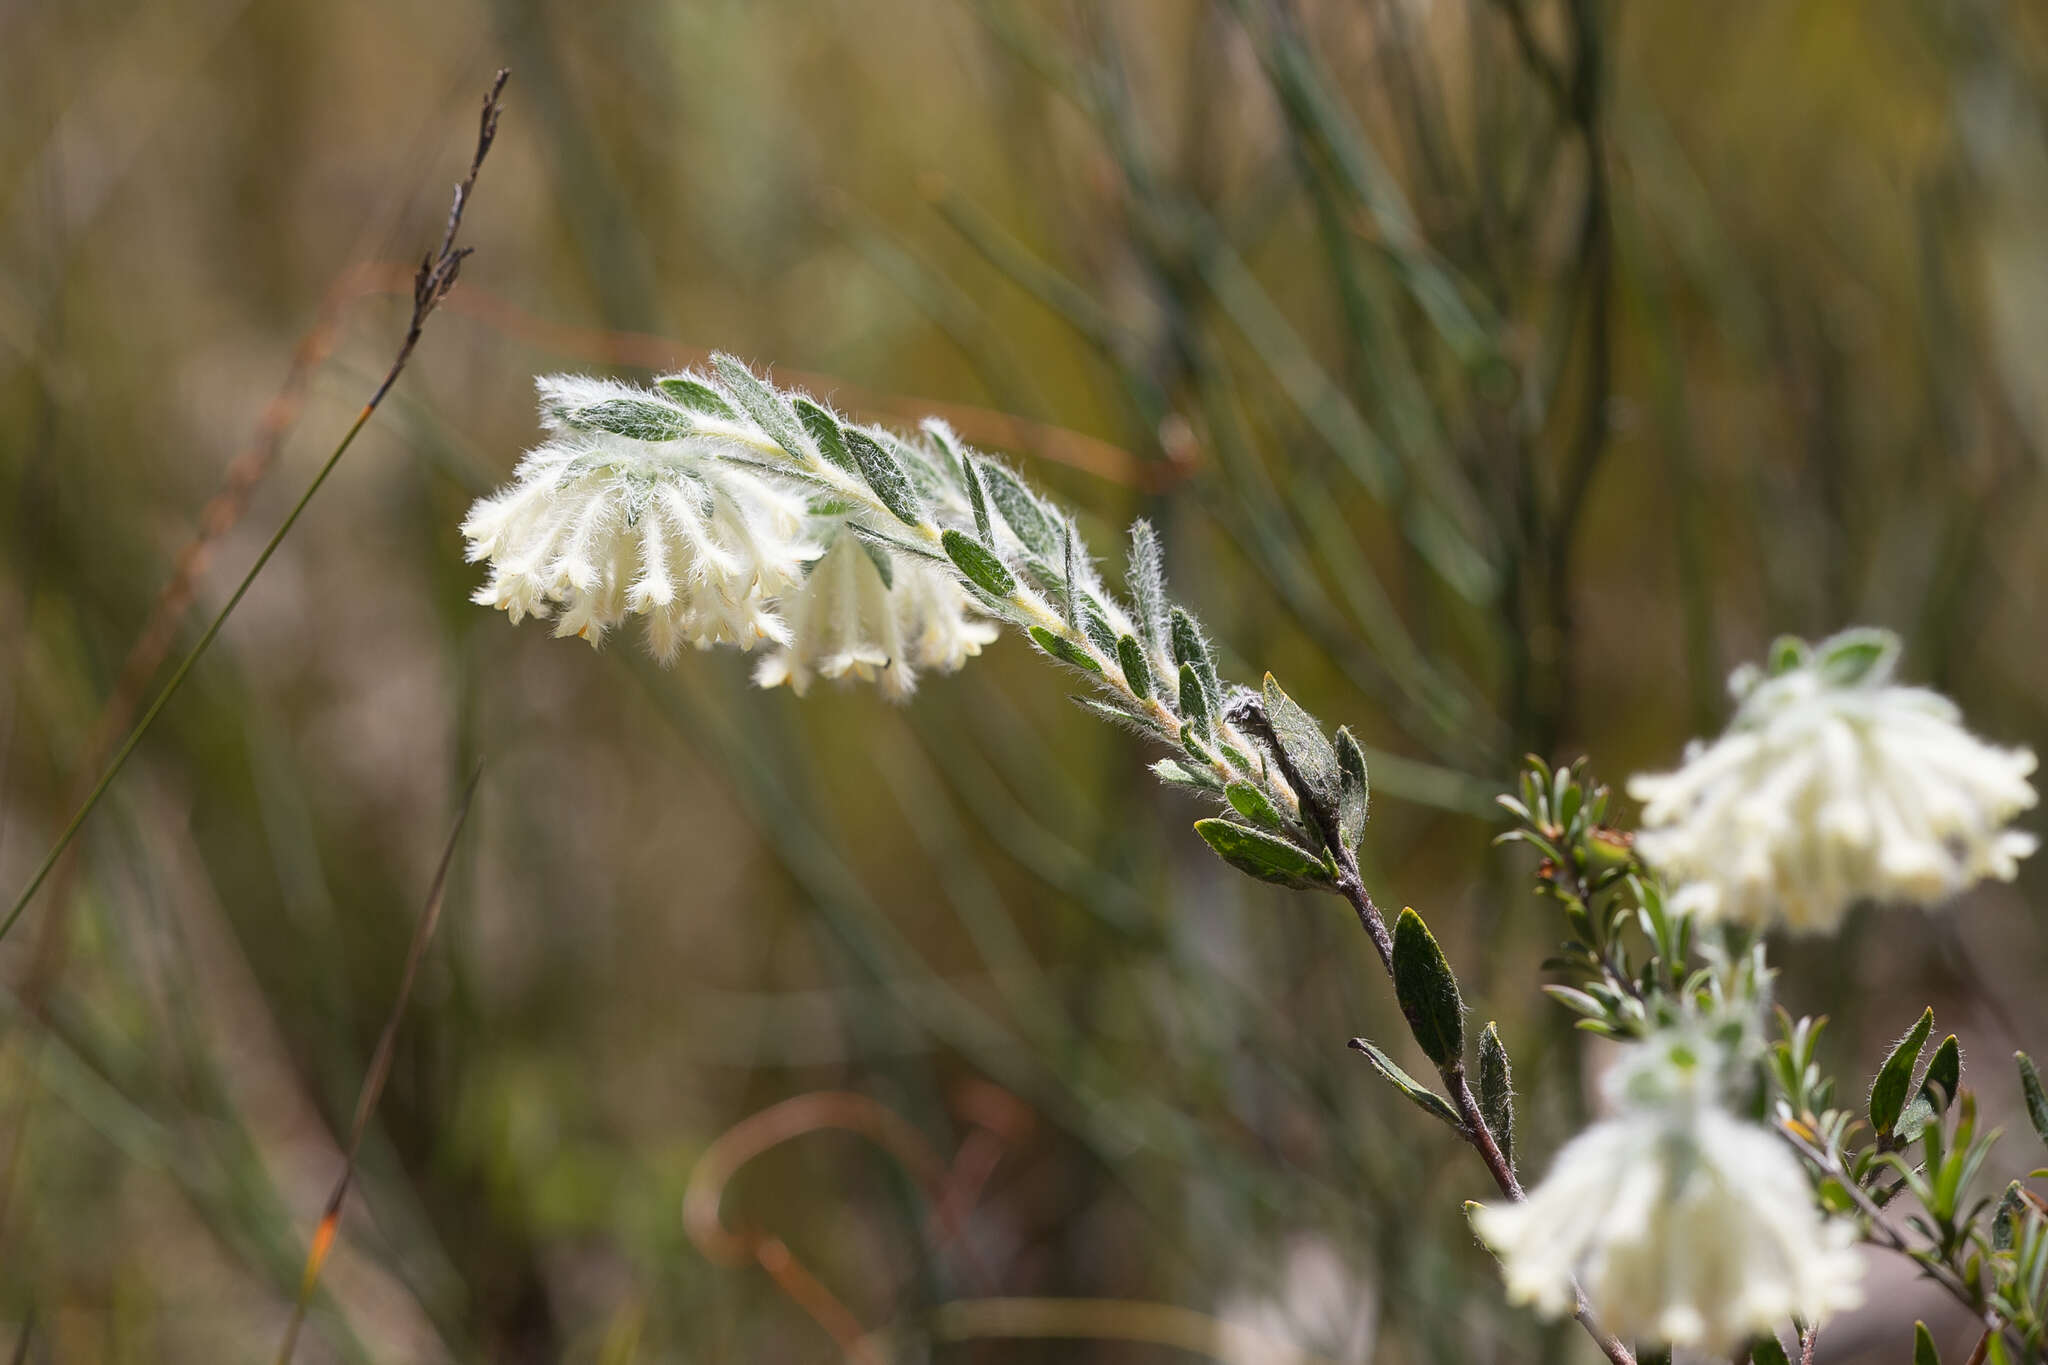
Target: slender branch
x,y
436,276
1884,1234
1472,1123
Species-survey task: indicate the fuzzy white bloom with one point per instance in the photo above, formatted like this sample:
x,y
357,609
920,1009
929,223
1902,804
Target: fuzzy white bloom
x,y
1322,1311
597,527
1684,1224
1833,785
848,619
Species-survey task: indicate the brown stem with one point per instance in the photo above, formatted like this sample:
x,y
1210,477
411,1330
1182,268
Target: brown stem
x,y
1472,1124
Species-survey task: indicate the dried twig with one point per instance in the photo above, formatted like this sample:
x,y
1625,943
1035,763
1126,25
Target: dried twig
x,y
437,274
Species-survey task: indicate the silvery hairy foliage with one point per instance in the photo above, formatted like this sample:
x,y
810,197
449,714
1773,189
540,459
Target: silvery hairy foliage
x,y
1721,1199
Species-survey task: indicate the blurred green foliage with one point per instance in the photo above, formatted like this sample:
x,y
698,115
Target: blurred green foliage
x,y
1498,372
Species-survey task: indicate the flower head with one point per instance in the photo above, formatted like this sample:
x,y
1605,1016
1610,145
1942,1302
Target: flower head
x,y
1683,1223
878,618
1832,785
598,526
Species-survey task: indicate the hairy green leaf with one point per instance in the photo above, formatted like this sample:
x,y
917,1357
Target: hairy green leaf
x,y
1313,756
884,475
826,432
1426,1099
978,563
1497,1091
1191,650
1130,657
1355,797
641,419
1427,991
1146,576
1021,509
1895,1077
759,400
2031,1093
1262,855
1254,806
694,394
1064,650
1194,702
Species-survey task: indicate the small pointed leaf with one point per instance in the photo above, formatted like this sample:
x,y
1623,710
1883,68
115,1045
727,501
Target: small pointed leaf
x,y
759,401
1254,806
978,564
1064,650
639,419
1428,1100
1355,795
2030,1091
884,475
694,394
826,432
1427,991
1262,855
1313,756
1130,657
1194,702
1768,1350
1497,1091
1923,1346
1895,1077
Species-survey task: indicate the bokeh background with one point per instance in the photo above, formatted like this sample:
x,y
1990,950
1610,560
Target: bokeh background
x,y
1500,373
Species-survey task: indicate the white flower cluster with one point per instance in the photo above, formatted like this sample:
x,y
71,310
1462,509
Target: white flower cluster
x,y
1684,1224
638,505
1833,785
848,618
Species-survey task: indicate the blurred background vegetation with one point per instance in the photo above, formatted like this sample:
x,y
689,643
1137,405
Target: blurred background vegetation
x,y
1500,373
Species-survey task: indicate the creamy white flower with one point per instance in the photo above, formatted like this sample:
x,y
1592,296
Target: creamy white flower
x,y
1833,785
1684,1224
847,619
1320,1310
598,527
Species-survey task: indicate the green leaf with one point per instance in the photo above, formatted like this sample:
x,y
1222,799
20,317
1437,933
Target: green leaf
x,y
1787,653
1146,577
1030,521
1355,797
1856,656
1427,991
759,400
1426,1099
1497,1091
1178,775
1923,1346
641,419
1070,587
1191,650
1262,855
1895,1077
977,498
2005,1222
884,475
1937,1090
1194,702
1064,650
1768,1350
1313,756
978,564
2031,1093
1130,657
825,431
1254,806
694,394
1097,629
